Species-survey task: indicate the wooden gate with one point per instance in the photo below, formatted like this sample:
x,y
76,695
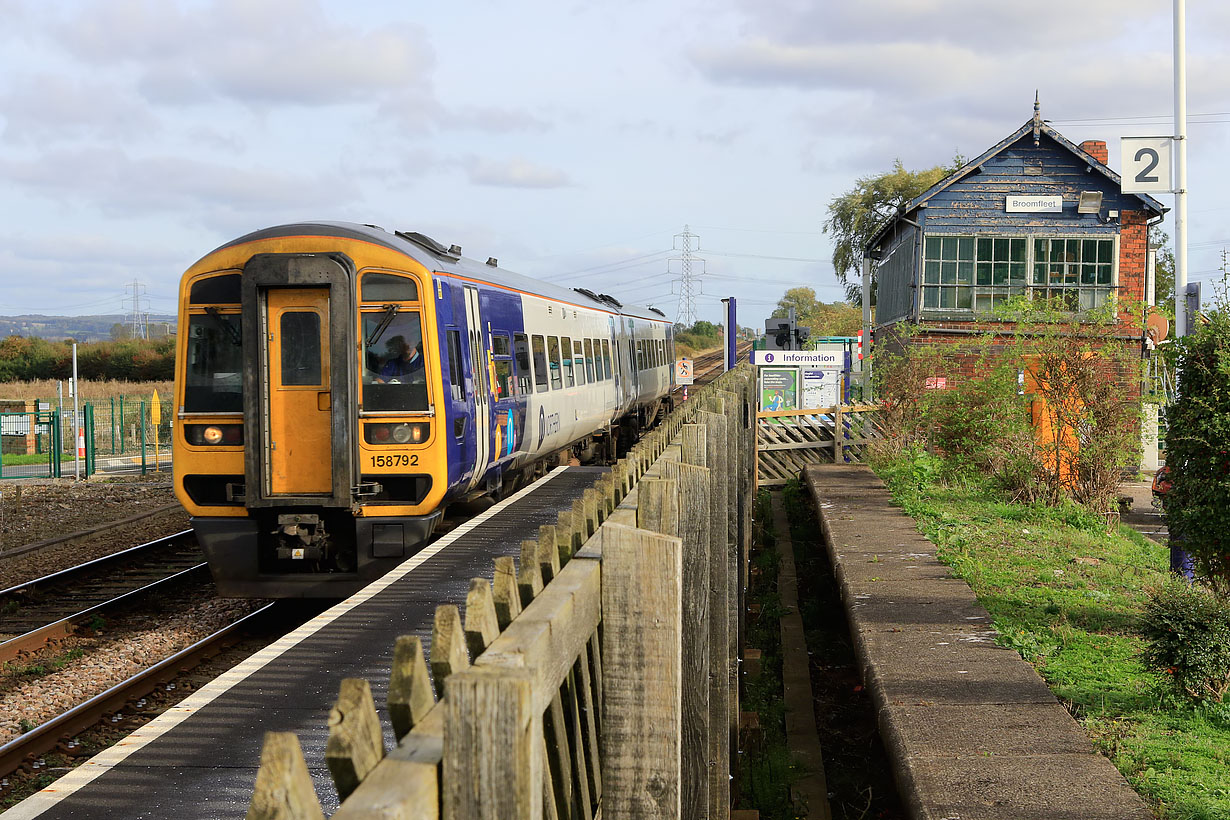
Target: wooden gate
x,y
789,440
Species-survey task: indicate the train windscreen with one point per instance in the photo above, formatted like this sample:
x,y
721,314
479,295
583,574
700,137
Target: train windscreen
x,y
213,370
394,372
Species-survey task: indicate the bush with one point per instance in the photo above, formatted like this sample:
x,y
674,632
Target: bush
x,y
1198,449
1187,628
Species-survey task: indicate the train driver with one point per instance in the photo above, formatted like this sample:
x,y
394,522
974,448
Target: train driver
x,y
401,362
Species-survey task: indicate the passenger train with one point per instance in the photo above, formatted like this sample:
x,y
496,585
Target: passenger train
x,y
338,386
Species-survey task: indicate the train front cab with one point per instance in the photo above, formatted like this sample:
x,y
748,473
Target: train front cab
x,y
303,495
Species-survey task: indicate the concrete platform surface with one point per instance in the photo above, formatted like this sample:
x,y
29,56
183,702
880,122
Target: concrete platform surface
x,y
972,730
199,759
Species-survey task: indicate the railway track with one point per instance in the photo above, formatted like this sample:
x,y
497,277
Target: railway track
x,y
37,612
122,703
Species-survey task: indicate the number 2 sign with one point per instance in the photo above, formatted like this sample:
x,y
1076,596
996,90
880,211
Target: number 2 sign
x,y
1146,164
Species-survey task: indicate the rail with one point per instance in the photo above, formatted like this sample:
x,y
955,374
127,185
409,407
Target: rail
x,y
605,662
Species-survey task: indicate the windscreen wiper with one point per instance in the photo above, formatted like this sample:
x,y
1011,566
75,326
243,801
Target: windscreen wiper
x,y
230,329
389,312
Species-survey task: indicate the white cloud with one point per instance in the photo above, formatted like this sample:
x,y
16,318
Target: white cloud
x,y
515,173
45,108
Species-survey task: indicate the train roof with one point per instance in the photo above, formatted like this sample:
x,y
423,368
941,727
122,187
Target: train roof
x,y
448,259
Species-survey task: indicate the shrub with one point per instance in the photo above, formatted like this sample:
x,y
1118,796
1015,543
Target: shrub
x,y
1198,449
1187,630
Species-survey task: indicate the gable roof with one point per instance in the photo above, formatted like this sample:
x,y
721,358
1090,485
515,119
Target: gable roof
x,y
1039,129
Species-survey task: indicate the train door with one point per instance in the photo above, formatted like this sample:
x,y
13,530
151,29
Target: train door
x,y
482,385
298,406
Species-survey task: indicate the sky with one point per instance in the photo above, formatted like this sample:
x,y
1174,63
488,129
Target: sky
x,y
574,141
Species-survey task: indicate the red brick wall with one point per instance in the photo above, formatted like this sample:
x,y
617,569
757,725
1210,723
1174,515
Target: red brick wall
x,y
1096,149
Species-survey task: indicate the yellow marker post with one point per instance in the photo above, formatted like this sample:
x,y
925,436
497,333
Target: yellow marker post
x,y
155,416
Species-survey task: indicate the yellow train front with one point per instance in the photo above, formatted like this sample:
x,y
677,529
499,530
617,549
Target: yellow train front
x,y
337,386
306,448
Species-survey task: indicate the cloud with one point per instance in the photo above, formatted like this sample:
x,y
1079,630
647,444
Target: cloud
x,y
118,184
272,52
48,107
491,120
515,173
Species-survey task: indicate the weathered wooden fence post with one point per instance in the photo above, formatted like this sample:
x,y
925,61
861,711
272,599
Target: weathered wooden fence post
x,y
492,766
283,786
642,602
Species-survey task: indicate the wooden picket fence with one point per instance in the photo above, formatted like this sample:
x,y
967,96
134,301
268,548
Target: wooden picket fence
x,y
789,440
604,680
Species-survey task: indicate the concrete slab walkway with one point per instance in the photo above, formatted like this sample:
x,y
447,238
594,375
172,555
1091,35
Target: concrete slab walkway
x,y
972,730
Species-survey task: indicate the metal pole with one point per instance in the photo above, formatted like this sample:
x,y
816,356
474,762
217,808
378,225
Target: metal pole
x,y
1180,194
141,424
76,389
864,365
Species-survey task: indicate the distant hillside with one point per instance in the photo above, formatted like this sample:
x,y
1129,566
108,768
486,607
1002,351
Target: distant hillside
x,y
80,328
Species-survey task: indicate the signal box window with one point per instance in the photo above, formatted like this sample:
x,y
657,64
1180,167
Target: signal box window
x,y
540,364
213,373
521,346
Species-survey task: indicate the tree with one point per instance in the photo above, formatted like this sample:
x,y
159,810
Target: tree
x,y
836,319
1163,271
855,216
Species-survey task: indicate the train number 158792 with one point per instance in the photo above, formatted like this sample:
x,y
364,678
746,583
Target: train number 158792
x,y
395,460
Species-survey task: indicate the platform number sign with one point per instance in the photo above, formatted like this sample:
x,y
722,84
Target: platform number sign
x,y
1146,164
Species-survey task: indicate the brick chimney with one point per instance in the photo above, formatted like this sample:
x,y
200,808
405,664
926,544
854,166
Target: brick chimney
x,y
1096,149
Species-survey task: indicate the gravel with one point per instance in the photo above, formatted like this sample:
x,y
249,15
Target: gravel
x,y
36,511
83,665
87,666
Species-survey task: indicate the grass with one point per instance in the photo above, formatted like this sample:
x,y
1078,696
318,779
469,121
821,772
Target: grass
x,y
1068,597
93,391
765,774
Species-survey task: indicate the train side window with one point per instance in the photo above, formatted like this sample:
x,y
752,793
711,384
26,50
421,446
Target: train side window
x,y
640,354
525,376
553,362
456,373
578,357
503,379
540,364
300,345
606,359
385,287
589,361
570,379
661,345
499,344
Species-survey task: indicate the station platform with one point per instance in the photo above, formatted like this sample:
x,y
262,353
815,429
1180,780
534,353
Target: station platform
x,y
971,729
199,759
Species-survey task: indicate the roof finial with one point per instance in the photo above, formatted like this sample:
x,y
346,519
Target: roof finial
x,y
1037,118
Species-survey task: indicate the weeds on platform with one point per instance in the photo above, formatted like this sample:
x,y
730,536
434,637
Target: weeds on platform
x,y
766,770
1070,598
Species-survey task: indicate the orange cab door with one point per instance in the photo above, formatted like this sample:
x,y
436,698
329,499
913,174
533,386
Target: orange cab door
x,y
299,406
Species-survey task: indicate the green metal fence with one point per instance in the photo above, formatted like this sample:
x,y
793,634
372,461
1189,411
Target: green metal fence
x,y
109,436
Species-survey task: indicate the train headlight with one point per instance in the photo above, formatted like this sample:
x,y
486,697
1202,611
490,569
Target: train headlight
x,y
396,433
214,435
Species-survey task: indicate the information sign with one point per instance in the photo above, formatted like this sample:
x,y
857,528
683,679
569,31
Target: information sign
x,y
823,359
821,388
778,389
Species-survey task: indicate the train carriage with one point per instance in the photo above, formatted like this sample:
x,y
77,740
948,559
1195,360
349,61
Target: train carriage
x,y
338,386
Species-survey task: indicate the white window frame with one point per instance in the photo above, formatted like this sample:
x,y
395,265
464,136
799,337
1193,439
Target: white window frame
x,y
1027,288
